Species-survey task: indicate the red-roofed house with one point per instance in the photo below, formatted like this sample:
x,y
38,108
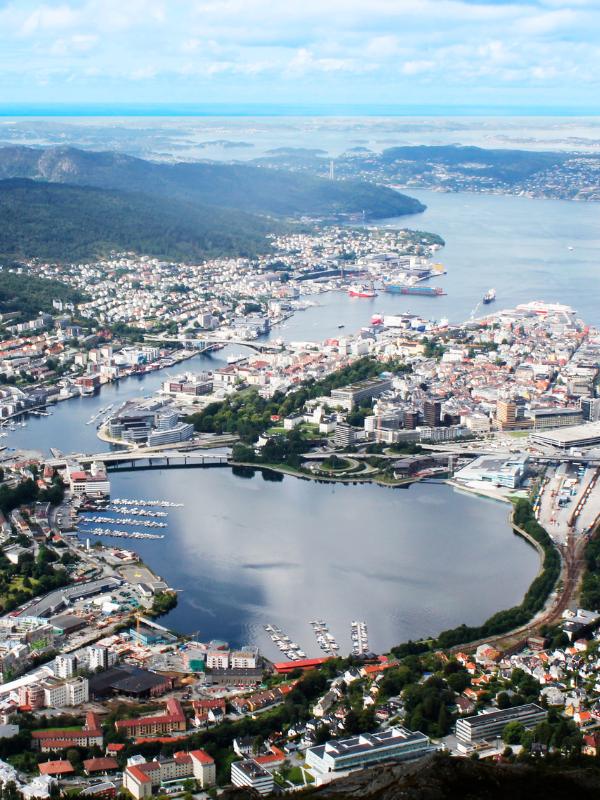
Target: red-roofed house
x,y
206,711
272,760
93,766
372,670
56,768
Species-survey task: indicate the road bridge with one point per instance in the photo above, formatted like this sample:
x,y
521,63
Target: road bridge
x,y
143,459
204,343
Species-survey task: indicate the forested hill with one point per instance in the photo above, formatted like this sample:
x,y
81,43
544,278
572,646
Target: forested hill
x,y
30,295
71,223
249,188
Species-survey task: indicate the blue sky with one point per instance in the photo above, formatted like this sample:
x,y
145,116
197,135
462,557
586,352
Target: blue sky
x,y
524,53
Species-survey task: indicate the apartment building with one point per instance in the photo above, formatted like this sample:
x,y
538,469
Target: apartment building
x,y
173,720
65,693
142,777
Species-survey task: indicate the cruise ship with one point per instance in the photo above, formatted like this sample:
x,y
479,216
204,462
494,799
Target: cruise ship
x,y
539,307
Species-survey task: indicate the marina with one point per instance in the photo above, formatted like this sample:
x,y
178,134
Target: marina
x,y
138,512
290,649
360,638
116,534
124,521
118,501
325,639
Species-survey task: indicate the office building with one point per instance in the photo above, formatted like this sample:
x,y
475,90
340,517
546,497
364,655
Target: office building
x,y
344,435
506,414
490,724
357,752
350,396
545,418
590,409
411,419
432,413
250,773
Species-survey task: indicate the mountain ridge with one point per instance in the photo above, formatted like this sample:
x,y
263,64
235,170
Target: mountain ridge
x,y
250,188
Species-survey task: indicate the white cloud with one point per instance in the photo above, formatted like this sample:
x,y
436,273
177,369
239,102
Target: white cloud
x,y
524,44
417,67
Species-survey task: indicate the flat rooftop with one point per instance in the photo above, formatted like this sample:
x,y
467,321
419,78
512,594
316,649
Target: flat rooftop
x,y
507,714
570,435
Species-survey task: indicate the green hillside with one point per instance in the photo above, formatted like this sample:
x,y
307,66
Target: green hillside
x,y
51,221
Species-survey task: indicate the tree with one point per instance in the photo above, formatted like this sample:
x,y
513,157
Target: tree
x,y
503,700
444,721
512,733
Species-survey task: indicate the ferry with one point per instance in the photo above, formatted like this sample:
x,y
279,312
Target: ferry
x,y
489,296
358,290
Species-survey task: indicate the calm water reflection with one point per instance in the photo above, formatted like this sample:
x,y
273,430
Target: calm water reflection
x,y
249,551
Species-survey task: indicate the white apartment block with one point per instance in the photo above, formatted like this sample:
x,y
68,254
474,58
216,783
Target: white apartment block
x,y
62,694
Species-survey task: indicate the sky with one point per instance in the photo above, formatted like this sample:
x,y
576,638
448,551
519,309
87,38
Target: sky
x,y
494,53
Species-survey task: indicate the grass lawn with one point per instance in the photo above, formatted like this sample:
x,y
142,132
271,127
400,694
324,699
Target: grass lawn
x,y
58,728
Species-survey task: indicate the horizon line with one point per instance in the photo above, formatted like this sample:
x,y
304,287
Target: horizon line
x,y
125,109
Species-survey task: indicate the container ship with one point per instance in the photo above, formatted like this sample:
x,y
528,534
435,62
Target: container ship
x,y
489,296
361,291
427,291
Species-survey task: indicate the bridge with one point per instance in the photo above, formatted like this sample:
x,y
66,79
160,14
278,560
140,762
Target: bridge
x,y
126,460
205,343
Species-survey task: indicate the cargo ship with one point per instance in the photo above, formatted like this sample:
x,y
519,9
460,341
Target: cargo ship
x,y
361,291
426,291
489,296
